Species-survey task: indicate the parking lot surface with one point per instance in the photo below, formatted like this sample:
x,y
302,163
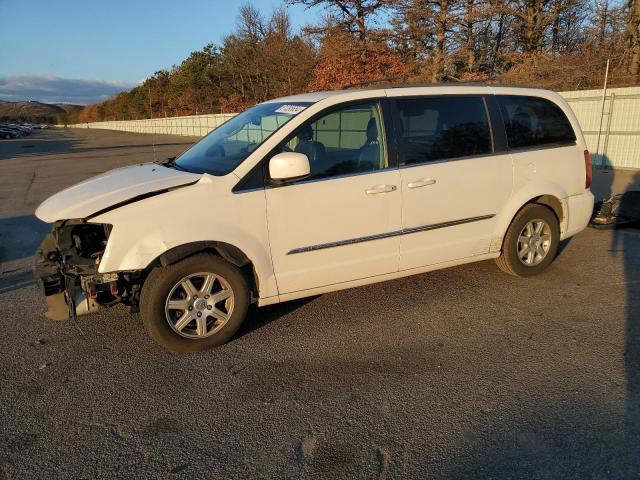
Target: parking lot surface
x,y
460,373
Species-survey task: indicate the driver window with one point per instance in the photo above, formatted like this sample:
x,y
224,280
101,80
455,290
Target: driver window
x,y
348,140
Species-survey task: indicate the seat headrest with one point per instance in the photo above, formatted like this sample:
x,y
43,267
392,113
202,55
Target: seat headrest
x,y
372,130
522,117
306,133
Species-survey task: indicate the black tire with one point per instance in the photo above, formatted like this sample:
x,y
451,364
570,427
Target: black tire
x,y
509,261
159,285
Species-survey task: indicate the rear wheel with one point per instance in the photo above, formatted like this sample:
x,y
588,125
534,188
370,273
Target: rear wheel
x,y
531,242
195,304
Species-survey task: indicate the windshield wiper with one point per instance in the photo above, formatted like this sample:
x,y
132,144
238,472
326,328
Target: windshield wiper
x,y
171,163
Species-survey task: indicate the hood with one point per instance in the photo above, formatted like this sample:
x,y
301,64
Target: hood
x,y
111,188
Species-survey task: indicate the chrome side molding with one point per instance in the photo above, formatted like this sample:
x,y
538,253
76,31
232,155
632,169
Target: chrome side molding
x,y
378,236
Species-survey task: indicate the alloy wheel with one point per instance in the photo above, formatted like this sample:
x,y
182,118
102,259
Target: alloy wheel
x,y
199,305
534,242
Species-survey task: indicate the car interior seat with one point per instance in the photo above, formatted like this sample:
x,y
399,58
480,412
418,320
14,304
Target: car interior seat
x,y
369,153
521,122
314,150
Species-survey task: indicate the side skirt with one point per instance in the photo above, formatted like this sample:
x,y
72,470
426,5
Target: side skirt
x,y
369,280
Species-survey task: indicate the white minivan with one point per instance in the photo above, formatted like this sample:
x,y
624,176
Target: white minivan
x,y
318,192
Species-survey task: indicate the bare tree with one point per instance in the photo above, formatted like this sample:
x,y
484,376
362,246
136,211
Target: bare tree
x,y
633,37
355,15
251,23
532,19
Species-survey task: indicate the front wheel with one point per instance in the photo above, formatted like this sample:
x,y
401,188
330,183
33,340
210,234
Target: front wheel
x,y
195,304
531,242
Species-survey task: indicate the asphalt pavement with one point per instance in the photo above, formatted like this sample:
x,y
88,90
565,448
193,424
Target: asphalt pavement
x,y
460,373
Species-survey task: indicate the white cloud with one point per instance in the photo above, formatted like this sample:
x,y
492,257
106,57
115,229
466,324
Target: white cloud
x,y
59,90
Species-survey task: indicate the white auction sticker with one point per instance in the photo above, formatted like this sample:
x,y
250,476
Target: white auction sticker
x,y
290,109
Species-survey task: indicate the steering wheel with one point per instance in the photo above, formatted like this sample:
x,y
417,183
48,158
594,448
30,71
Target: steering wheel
x,y
248,146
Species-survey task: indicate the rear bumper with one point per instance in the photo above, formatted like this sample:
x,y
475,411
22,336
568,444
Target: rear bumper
x,y
580,210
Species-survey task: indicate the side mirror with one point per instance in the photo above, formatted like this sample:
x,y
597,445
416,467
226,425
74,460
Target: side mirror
x,y
288,166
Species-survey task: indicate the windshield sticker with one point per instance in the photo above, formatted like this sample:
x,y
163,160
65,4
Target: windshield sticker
x,y
291,109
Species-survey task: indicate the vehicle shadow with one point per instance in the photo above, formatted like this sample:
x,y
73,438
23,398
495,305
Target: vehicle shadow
x,y
602,186
627,244
16,280
260,317
20,237
563,245
579,441
44,144
39,143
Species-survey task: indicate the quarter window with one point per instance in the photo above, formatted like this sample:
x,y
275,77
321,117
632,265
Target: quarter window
x,y
348,140
439,128
533,122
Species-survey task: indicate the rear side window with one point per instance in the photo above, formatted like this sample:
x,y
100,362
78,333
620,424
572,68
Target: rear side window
x,y
533,122
439,128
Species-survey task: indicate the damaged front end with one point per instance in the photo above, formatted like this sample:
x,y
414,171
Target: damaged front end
x,y
67,270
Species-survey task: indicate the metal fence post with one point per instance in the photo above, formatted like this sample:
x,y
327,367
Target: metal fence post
x,y
608,130
604,99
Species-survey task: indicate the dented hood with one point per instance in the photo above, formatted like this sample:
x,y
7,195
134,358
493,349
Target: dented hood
x,y
111,188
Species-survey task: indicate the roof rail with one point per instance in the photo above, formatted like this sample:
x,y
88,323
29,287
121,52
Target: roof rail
x,y
369,82
380,84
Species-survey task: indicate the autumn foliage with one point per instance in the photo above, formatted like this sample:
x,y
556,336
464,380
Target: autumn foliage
x,y
343,61
556,44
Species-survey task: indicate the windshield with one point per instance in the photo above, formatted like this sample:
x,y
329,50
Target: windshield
x,y
226,147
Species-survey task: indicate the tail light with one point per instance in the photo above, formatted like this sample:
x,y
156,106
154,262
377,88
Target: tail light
x,y
588,173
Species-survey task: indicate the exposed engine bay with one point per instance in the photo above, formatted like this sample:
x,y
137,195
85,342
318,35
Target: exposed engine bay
x,y
67,270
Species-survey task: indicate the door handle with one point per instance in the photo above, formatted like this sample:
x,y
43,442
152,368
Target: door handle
x,y
380,189
423,182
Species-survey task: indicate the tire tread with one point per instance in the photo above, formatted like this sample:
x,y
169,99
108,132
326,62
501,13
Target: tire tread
x,y
505,261
152,301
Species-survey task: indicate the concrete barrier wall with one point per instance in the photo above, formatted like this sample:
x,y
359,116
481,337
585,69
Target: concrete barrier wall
x,y
612,134
191,126
613,137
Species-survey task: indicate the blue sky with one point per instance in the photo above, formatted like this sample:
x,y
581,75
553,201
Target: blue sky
x,y
85,51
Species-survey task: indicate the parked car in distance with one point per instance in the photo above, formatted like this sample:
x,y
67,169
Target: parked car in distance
x,y
22,128
318,192
8,133
19,130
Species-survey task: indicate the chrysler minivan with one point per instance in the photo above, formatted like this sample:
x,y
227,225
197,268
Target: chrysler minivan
x,y
318,192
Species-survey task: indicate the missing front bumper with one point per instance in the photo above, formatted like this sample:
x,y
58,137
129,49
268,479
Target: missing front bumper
x,y
59,306
67,269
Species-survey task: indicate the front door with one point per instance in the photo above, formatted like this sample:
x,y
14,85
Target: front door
x,y
453,181
342,223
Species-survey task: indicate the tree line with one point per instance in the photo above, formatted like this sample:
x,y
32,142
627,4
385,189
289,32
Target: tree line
x,y
556,44
20,119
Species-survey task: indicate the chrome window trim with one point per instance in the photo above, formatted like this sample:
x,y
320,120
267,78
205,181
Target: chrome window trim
x,y
543,146
335,177
452,159
379,236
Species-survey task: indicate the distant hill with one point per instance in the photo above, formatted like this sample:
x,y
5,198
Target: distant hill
x,y
68,107
36,110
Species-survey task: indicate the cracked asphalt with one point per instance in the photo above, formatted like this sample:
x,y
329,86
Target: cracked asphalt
x,y
460,373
